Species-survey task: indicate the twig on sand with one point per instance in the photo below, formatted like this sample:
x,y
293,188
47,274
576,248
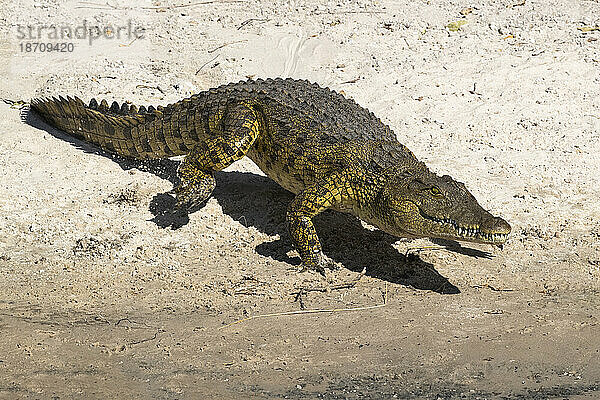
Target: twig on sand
x,y
351,12
206,63
147,339
199,3
130,43
96,6
106,6
311,311
492,288
344,285
132,322
225,44
150,87
249,20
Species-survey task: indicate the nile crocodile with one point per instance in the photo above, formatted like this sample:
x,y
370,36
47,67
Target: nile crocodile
x,y
325,148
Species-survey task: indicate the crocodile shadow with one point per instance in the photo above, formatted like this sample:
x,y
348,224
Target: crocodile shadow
x,y
257,201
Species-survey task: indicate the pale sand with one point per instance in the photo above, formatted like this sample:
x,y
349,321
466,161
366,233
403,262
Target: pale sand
x,y
508,104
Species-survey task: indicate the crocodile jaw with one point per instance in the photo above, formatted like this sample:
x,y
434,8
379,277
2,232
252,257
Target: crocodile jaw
x,y
413,222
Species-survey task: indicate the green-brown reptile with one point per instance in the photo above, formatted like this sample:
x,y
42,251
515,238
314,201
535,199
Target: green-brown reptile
x,y
314,142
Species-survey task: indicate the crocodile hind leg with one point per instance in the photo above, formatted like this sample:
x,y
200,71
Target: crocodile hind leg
x,y
328,193
228,141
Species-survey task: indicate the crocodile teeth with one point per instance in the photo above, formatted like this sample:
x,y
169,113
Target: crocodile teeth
x,y
493,236
470,232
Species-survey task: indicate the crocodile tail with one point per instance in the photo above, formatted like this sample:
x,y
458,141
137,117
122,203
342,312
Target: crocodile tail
x,y
121,129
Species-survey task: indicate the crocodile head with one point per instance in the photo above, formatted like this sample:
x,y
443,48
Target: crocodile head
x,y
422,204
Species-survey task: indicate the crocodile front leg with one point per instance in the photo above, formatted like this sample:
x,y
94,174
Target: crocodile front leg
x,y
228,141
325,194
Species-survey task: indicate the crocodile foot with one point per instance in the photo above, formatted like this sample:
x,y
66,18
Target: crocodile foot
x,y
192,197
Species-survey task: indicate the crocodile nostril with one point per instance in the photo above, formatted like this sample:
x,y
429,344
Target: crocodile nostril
x,y
501,225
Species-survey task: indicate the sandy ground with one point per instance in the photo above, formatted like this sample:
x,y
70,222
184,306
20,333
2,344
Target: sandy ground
x,y
105,293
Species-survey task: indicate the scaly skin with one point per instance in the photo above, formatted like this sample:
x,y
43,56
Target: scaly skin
x,y
326,149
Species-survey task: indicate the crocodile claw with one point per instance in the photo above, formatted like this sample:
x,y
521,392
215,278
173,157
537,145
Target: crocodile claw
x,y
320,263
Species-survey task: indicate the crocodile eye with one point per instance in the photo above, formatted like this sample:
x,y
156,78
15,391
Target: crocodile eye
x,y
436,192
